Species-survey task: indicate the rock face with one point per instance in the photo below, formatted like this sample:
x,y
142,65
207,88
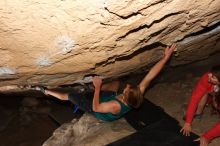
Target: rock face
x,y
57,42
88,131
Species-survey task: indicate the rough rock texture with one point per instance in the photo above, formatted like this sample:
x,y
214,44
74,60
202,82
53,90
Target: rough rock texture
x,y
58,42
81,133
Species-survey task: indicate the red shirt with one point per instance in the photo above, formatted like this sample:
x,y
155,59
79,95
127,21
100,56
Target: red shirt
x,y
213,133
203,87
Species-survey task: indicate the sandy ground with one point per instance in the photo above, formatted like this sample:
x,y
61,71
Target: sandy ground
x,y
173,95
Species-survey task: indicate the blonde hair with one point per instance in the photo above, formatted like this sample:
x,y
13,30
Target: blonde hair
x,y
134,96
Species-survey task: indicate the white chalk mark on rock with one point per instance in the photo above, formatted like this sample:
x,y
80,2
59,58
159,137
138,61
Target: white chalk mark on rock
x,y
65,44
44,61
7,71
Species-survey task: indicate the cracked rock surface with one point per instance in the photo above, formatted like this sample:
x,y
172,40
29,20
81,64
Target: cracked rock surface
x,y
59,42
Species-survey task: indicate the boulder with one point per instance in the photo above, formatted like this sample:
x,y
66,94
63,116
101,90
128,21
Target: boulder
x,y
61,42
89,131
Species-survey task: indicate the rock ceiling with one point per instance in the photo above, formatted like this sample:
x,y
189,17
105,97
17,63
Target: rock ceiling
x,y
57,42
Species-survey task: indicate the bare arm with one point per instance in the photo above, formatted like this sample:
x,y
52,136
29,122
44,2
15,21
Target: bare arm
x,y
106,107
97,82
155,70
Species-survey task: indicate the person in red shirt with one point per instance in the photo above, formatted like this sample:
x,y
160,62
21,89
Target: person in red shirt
x,y
206,86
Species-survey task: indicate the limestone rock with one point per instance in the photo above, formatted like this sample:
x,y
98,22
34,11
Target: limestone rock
x,y
60,42
89,131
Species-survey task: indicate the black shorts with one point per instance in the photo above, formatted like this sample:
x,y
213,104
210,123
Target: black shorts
x,y
84,100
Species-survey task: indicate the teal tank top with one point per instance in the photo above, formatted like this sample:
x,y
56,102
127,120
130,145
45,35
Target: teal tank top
x,y
110,116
